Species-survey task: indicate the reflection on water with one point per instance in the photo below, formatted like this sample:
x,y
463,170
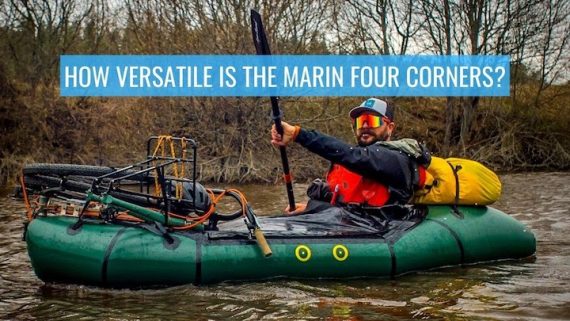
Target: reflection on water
x,y
532,289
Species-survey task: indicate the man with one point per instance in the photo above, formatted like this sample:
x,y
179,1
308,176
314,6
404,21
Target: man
x,y
376,172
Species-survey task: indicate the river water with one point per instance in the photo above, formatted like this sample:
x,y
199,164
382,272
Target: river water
x,y
535,289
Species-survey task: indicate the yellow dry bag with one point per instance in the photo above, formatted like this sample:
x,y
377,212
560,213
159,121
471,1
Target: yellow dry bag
x,y
458,181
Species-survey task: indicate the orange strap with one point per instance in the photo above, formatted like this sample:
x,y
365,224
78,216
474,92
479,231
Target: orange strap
x,y
162,139
165,142
29,211
206,215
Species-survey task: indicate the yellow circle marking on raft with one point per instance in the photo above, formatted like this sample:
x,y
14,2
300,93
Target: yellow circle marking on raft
x,y
303,253
340,252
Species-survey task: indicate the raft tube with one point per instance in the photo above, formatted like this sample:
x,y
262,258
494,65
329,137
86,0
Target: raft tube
x,y
112,255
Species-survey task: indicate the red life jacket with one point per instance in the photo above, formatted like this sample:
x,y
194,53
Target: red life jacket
x,y
349,187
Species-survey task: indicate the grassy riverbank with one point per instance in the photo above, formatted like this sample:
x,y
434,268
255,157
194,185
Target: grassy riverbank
x,y
527,131
233,134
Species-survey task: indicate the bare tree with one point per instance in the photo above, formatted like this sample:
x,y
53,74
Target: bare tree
x,y
44,30
384,26
553,44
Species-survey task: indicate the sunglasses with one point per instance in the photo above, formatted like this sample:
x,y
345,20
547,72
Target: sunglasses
x,y
373,121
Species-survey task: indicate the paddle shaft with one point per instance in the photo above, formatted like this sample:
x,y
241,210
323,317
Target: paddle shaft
x,y
262,48
284,161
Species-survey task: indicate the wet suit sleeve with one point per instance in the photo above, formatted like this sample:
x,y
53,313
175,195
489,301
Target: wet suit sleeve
x,y
376,162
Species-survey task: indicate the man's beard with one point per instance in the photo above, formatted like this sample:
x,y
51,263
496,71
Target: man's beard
x,y
382,137
367,143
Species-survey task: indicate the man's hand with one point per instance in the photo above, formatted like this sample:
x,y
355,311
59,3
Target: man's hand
x,y
289,134
299,207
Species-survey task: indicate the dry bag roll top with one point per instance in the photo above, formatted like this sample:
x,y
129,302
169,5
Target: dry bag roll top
x,y
458,181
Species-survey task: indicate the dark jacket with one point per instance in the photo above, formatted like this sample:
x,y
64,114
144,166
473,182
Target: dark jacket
x,y
391,167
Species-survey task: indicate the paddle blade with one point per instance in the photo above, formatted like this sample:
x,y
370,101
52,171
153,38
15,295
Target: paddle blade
x,y
258,33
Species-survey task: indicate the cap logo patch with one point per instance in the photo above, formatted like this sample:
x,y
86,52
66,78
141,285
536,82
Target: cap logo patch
x,y
369,103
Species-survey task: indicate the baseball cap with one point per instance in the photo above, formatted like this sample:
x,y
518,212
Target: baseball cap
x,y
373,105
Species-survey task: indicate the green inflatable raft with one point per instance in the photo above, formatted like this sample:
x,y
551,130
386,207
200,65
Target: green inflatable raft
x,y
331,244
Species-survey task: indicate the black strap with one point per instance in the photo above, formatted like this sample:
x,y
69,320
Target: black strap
x,y
393,262
157,228
162,182
163,232
25,230
455,170
425,158
454,235
415,168
198,275
108,254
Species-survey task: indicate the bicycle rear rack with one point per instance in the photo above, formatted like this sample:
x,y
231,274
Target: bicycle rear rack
x,y
167,171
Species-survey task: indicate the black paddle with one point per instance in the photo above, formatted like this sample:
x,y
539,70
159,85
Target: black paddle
x,y
262,48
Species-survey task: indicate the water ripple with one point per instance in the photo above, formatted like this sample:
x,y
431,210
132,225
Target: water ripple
x,y
536,289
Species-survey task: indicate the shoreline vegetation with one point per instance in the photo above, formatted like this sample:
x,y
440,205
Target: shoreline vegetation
x,y
529,130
